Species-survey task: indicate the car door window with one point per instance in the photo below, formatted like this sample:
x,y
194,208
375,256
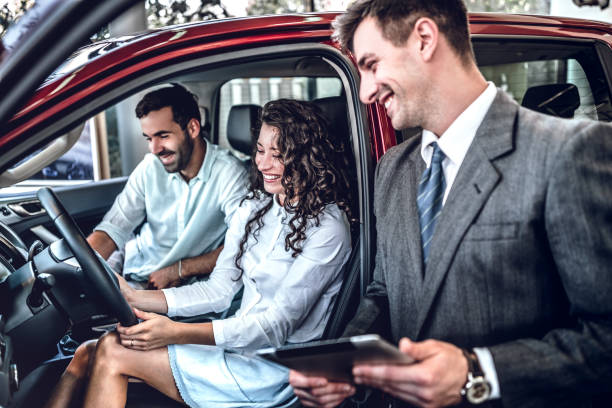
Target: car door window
x,y
555,77
525,68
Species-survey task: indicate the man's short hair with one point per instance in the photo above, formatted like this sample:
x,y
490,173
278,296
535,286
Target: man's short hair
x,y
396,20
183,103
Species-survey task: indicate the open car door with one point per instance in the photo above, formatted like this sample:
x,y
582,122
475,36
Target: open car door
x,y
45,37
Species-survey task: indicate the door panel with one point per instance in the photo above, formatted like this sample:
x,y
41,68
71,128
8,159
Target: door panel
x,y
87,203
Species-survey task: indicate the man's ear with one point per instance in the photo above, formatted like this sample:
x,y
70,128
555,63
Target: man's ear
x,y
427,34
193,127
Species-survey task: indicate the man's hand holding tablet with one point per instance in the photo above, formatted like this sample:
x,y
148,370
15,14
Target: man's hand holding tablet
x,y
321,374
334,359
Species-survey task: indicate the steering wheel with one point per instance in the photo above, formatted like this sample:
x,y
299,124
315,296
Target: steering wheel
x,y
103,281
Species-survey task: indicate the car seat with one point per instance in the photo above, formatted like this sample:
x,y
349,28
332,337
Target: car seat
x,y
553,99
240,123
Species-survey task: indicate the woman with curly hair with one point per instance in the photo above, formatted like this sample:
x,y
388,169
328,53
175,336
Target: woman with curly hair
x,y
286,246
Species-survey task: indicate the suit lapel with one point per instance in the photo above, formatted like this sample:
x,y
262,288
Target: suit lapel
x,y
475,181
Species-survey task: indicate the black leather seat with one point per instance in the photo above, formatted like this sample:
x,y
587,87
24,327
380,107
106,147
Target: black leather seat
x,y
553,99
347,300
240,123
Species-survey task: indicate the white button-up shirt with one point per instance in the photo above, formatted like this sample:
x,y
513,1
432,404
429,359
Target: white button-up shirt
x,y
182,219
456,140
285,299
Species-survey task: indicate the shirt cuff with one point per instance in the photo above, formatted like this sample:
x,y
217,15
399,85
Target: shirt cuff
x,y
170,295
488,368
218,332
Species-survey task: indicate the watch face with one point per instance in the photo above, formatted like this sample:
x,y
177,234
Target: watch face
x,y
479,391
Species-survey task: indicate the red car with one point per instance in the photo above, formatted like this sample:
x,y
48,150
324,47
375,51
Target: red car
x,y
558,66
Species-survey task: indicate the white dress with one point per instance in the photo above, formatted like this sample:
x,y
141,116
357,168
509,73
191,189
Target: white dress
x,y
285,300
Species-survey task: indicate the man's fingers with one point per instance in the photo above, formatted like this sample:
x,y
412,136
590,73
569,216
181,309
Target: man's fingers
x,y
391,373
318,391
297,379
322,398
332,401
419,350
386,372
333,389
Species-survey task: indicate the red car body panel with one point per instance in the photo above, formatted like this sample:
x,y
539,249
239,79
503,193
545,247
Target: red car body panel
x,y
167,46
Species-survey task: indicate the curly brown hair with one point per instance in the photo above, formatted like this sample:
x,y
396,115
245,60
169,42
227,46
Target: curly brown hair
x,y
316,168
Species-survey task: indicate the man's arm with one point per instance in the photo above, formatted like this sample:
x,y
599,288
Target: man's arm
x,y
102,243
201,265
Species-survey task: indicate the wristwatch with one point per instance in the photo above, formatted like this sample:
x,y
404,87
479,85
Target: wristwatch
x,y
476,389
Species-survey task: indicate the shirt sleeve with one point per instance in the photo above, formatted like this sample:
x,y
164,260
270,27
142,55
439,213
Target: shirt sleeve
x,y
312,273
488,368
129,209
216,293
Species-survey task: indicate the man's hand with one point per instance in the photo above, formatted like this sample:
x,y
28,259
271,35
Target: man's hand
x,y
434,380
318,391
165,278
153,332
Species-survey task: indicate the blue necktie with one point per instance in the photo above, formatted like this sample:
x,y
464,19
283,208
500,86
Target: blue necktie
x,y
429,200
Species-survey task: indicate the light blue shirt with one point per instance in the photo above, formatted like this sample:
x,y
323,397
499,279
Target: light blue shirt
x,y
181,219
285,299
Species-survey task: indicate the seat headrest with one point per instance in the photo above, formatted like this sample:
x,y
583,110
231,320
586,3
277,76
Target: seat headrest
x,y
240,122
334,109
553,99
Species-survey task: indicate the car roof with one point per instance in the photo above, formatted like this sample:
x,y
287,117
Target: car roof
x,y
115,51
105,61
479,22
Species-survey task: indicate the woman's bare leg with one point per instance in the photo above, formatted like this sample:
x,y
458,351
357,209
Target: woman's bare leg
x,y
70,386
114,364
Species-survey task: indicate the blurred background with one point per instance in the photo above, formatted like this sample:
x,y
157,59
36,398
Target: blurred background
x,y
158,13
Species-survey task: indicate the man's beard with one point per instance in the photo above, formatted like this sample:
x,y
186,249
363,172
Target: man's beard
x,y
182,155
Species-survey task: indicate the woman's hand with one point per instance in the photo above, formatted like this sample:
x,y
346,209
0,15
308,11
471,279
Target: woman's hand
x,y
126,290
153,332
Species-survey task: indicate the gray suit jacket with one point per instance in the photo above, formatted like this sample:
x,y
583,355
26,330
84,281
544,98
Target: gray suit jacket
x,y
521,258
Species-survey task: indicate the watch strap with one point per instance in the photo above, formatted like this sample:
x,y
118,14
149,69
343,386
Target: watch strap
x,y
476,389
473,363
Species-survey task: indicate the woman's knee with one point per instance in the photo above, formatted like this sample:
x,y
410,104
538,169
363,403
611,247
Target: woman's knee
x,y
107,352
82,358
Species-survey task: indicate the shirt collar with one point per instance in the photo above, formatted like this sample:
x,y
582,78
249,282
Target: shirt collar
x,y
457,139
277,209
206,167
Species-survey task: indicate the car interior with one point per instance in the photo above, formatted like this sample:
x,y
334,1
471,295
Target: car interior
x,y
64,298
50,284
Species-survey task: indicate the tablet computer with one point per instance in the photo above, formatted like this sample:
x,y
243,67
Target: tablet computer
x,y
334,359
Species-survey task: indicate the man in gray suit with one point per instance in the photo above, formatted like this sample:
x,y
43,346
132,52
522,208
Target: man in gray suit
x,y
494,238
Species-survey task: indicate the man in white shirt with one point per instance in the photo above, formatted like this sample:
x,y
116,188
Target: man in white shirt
x,y
182,197
493,245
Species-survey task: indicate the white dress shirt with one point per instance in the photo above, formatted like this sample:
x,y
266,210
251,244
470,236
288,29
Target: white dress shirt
x,y
181,219
285,299
455,143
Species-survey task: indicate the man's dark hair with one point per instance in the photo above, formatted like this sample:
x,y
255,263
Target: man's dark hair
x,y
396,19
183,103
